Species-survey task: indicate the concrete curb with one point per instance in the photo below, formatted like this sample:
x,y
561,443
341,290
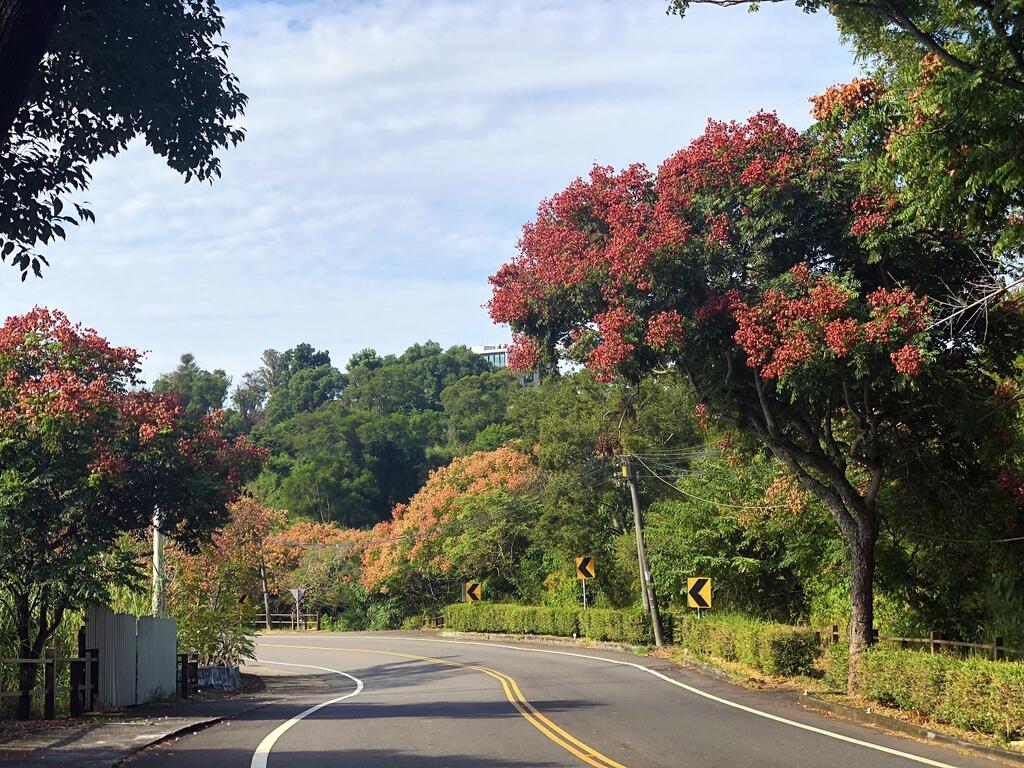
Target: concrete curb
x,y
892,724
185,729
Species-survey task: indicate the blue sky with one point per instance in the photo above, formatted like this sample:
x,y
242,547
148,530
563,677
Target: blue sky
x,y
394,151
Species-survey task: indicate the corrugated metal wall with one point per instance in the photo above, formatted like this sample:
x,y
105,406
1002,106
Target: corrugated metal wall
x,y
156,659
138,658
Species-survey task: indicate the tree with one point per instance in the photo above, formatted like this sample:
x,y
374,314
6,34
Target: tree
x,y
250,397
201,392
946,98
411,381
25,32
86,457
474,403
300,381
211,587
110,73
468,512
797,307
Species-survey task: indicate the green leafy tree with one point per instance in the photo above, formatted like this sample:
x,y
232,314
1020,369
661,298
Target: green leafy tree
x,y
80,80
476,402
201,392
301,381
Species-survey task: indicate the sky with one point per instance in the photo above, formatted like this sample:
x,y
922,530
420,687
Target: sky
x,y
394,150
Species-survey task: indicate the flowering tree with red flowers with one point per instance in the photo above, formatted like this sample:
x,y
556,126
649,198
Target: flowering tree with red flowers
x,y
799,309
86,456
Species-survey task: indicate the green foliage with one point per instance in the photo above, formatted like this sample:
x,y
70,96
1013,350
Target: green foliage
x,y
835,662
477,403
630,626
906,680
512,619
114,72
220,635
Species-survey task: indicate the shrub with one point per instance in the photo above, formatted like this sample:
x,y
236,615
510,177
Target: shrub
x,y
513,619
835,662
783,650
904,679
974,694
621,626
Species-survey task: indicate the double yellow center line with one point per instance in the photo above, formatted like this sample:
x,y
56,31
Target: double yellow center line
x,y
530,713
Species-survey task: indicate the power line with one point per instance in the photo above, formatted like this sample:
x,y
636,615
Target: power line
x,y
694,496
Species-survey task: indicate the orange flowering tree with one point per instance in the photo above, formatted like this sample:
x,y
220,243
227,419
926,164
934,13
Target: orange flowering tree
x,y
800,310
470,520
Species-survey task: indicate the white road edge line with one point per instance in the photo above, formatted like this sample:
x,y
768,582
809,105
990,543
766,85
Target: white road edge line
x,y
677,683
262,753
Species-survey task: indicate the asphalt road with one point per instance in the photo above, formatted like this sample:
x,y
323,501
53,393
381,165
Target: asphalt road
x,y
405,700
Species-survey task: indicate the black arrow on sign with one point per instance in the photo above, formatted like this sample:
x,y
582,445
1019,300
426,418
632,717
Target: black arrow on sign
x,y
473,590
584,567
695,593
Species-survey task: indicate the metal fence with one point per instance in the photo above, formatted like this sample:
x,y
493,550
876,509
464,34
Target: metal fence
x,y
138,657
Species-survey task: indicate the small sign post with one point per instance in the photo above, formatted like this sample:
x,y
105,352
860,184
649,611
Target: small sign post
x,y
298,593
698,592
585,569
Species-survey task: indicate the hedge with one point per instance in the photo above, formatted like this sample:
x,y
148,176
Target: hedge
x,y
775,649
974,694
621,626
625,625
512,619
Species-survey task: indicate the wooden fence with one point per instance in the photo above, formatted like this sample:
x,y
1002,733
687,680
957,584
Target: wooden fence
x,y
995,650
82,688
304,621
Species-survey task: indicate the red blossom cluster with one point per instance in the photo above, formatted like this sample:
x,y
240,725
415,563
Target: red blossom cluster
x,y
787,328
65,381
779,333
872,214
897,313
523,354
608,225
665,328
703,415
761,151
613,349
846,98
907,359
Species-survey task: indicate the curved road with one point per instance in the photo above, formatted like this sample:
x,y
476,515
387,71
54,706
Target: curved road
x,y
412,700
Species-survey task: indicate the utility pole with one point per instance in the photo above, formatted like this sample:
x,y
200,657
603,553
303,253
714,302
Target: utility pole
x,y
158,566
266,592
650,599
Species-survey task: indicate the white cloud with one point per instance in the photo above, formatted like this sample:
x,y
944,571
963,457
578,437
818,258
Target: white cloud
x,y
393,151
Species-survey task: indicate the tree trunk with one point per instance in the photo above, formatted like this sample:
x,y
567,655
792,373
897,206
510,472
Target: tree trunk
x,y
862,608
26,672
26,27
